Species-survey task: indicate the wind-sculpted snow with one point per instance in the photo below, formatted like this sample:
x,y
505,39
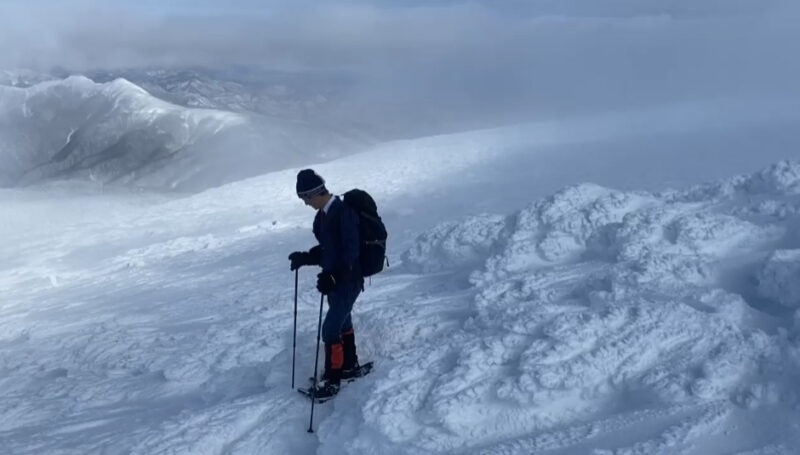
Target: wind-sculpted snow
x,y
455,244
601,302
117,133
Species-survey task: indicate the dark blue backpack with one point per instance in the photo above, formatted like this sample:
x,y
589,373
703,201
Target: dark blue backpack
x,y
371,231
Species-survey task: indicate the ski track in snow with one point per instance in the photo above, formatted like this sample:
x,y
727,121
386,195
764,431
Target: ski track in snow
x,y
591,321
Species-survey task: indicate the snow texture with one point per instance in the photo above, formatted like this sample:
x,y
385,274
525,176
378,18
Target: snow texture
x,y
603,302
778,279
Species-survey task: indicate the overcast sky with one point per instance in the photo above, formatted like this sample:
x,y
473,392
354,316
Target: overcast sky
x,y
549,53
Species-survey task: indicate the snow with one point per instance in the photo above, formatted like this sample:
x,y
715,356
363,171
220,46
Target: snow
x,y
602,302
777,279
617,275
455,244
623,283
586,320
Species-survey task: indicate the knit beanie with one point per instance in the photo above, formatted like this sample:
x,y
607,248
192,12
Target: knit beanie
x,y
309,184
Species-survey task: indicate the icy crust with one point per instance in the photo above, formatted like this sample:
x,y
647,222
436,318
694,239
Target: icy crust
x,y
598,301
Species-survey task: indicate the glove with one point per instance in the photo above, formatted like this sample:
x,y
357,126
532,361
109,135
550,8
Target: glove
x,y
298,259
301,258
325,283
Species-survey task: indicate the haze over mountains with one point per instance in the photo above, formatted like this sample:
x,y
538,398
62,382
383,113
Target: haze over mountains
x,y
283,85
117,133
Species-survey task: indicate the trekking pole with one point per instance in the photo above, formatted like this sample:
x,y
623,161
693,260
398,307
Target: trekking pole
x,y
316,365
294,335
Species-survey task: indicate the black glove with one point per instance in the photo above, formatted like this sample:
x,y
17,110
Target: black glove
x,y
298,259
301,258
325,283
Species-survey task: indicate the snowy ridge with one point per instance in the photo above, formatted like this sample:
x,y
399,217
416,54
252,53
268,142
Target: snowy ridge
x,y
213,90
117,133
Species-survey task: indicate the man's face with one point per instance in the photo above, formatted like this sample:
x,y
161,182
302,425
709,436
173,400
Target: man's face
x,y
317,202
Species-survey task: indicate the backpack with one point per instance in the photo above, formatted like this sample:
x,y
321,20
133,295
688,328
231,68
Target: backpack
x,y
371,231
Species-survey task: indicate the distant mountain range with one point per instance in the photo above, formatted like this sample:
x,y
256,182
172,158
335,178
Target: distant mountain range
x,y
297,95
174,130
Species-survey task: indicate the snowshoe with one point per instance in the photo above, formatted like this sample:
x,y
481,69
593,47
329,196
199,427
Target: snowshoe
x,y
350,375
324,392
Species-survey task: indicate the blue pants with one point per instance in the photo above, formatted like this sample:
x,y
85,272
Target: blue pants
x,y
340,304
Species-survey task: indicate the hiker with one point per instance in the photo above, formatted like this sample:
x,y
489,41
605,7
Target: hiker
x,y
336,230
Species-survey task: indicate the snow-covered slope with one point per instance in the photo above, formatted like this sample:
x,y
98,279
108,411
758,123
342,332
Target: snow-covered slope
x,y
118,133
519,315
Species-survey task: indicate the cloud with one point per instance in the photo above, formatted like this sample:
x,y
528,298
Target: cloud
x,y
93,35
470,56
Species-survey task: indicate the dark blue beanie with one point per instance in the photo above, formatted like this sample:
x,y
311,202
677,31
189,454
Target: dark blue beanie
x,y
309,184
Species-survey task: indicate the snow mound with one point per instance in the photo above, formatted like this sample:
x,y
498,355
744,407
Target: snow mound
x,y
456,244
596,301
559,228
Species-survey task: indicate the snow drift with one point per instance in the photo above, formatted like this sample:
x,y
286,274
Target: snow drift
x,y
595,302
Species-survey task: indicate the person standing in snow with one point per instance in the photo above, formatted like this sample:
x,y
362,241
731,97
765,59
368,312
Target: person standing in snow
x,y
336,229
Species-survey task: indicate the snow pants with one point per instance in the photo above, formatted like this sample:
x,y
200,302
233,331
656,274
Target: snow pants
x,y
338,326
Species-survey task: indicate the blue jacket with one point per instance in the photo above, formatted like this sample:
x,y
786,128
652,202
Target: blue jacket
x,y
337,234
